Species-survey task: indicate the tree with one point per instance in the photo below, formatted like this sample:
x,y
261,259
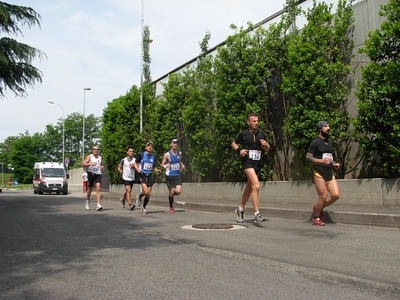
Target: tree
x,y
316,78
120,130
53,136
25,151
243,70
198,117
121,118
5,149
16,69
379,92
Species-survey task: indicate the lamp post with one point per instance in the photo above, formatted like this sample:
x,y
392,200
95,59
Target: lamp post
x,y
2,171
63,141
83,123
141,72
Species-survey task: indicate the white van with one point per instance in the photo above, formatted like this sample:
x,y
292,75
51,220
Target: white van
x,y
49,177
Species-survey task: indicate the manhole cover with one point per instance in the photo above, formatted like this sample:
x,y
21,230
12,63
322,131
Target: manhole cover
x,y
213,226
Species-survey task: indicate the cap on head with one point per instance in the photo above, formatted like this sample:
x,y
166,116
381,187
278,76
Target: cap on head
x,y
174,141
321,124
150,143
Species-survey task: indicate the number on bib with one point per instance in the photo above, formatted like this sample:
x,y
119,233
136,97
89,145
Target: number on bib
x,y
255,154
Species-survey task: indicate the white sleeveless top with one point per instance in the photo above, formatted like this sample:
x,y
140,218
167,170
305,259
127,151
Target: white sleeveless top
x,y
97,168
128,173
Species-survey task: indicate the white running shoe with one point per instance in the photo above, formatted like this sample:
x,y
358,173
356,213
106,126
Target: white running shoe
x,y
143,211
259,218
87,205
239,215
99,207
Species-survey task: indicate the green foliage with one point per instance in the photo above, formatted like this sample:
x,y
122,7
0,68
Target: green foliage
x,y
47,146
241,74
379,92
53,136
207,104
120,131
16,70
318,67
197,115
4,177
146,54
25,151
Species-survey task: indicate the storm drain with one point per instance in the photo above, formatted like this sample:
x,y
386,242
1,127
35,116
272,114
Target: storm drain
x,y
213,226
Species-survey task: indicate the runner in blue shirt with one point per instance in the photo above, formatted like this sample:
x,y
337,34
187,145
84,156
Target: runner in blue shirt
x,y
144,166
172,163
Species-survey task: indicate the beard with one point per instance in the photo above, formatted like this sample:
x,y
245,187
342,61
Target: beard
x,y
325,134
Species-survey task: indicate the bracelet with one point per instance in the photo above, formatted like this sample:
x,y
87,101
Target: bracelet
x,y
238,150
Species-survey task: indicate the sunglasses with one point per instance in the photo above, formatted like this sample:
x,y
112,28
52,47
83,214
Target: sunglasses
x,y
95,149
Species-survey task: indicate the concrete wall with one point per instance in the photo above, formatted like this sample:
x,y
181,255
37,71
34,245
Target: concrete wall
x,y
375,192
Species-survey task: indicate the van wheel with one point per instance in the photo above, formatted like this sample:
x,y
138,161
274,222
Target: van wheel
x,y
65,193
35,191
40,192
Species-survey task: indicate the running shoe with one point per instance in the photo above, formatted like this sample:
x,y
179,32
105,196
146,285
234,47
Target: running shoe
x,y
317,222
321,215
171,210
122,202
99,207
239,215
87,205
143,211
259,218
138,200
131,206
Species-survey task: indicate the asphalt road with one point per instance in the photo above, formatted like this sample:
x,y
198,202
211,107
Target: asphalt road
x,y
52,248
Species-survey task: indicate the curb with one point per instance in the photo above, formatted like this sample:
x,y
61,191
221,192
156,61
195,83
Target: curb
x,y
354,218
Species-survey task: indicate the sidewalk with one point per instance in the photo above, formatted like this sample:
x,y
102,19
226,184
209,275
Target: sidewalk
x,y
336,213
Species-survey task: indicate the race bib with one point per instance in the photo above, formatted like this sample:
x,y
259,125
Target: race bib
x,y
147,166
175,167
327,155
129,174
255,154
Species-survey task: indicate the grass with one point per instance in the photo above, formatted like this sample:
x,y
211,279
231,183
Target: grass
x,y
6,177
19,186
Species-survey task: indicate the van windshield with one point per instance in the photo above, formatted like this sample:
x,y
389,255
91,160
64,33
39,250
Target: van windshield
x,y
51,172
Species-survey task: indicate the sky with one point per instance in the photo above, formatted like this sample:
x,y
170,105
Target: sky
x,y
96,44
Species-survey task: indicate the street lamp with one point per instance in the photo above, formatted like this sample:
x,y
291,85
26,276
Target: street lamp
x,y
63,142
141,72
83,123
2,171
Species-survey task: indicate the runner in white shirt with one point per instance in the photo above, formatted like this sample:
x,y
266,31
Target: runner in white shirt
x,y
125,168
94,167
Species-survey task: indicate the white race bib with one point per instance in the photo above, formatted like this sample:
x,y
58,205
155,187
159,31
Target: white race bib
x,y
327,155
255,154
175,167
147,166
